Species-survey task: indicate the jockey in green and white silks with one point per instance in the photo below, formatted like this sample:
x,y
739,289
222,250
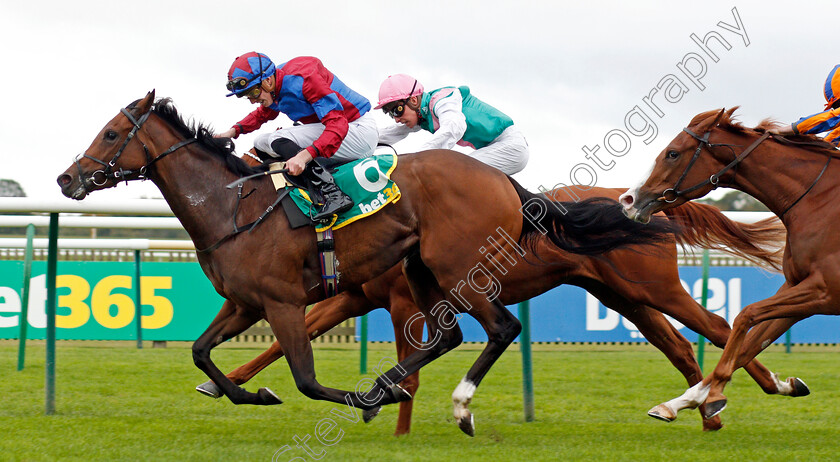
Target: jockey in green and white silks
x,y
453,116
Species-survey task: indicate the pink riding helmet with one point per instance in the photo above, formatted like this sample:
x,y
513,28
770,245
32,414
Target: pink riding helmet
x,y
397,87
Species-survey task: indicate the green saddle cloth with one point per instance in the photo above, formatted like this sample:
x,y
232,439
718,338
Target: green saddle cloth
x,y
367,181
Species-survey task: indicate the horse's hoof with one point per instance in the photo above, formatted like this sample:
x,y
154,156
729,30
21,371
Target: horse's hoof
x,y
268,397
399,393
799,387
712,425
210,389
467,424
714,408
662,412
369,414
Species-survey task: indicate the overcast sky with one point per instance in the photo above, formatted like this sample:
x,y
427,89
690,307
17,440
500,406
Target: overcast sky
x,y
568,73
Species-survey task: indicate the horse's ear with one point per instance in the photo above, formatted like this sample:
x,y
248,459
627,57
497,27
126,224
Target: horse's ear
x,y
146,103
710,122
730,112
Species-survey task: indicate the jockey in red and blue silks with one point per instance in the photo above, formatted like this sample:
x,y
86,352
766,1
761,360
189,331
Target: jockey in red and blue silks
x,y
336,119
454,116
826,121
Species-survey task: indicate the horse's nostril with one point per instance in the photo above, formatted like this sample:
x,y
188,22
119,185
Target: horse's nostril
x,y
64,180
626,200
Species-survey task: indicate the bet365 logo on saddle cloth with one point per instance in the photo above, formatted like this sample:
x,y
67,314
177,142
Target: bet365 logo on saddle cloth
x,y
367,181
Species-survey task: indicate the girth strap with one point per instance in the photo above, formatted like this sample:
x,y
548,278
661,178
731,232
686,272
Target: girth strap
x,y
329,264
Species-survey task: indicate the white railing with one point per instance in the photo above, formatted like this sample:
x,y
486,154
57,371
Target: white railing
x,y
93,222
122,244
157,207
164,219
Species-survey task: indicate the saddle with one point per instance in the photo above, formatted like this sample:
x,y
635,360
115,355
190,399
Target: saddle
x,y
367,181
296,217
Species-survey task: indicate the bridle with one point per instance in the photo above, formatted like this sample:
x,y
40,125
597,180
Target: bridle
x,y
112,172
673,193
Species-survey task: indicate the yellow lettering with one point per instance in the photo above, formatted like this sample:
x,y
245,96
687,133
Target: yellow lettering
x,y
103,299
75,300
164,311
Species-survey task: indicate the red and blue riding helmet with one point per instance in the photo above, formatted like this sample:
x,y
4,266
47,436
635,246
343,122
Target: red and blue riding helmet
x,y
247,71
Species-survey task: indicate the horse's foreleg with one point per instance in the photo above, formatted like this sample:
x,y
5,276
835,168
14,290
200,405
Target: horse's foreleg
x,y
805,299
288,324
684,308
757,339
244,372
230,322
321,318
719,333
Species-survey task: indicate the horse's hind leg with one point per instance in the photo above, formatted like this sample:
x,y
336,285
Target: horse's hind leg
x,y
661,334
441,322
231,321
501,327
402,309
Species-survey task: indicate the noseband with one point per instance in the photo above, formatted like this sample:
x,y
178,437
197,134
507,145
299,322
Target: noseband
x,y
672,194
112,172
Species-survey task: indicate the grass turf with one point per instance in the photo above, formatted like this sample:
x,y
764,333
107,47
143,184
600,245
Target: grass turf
x,y
115,402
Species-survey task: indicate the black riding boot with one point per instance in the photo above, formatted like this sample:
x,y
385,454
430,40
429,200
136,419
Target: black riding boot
x,y
335,201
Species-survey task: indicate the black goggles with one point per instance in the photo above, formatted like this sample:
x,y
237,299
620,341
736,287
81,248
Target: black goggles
x,y
396,110
239,83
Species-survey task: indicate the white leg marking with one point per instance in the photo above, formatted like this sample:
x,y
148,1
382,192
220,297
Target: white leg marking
x,y
784,388
692,398
461,397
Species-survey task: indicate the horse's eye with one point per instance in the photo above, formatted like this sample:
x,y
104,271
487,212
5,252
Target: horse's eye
x,y
111,135
672,154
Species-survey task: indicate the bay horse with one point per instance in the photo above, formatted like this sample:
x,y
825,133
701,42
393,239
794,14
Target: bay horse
x,y
639,286
797,180
448,202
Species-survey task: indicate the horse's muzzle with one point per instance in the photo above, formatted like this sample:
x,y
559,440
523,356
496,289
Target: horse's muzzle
x,y
70,187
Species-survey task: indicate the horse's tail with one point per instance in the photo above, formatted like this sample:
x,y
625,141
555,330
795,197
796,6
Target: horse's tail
x,y
761,243
589,227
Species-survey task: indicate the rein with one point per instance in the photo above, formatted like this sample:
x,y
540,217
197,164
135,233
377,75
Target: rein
x,y
829,156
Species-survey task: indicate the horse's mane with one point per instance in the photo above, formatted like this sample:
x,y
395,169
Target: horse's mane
x,y
222,148
728,122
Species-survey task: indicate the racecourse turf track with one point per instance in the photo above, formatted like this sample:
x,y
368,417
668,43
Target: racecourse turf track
x,y
115,402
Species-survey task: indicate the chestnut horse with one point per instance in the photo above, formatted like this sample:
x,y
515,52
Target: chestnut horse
x,y
609,278
449,201
797,180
